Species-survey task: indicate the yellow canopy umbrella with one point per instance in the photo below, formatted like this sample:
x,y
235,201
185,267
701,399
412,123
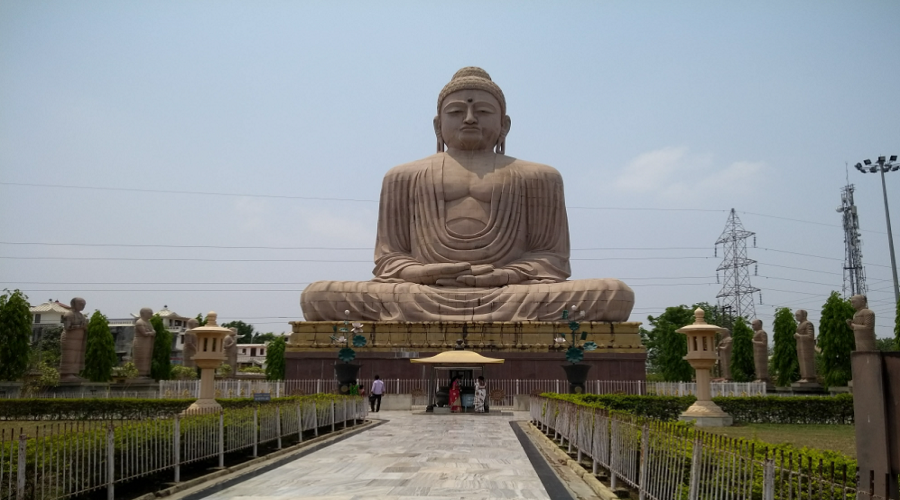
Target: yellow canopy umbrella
x,y
458,358
450,360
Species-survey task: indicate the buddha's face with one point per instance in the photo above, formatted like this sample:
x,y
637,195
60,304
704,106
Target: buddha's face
x,y
471,120
858,302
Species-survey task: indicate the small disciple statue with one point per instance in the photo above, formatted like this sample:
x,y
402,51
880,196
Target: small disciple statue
x,y
470,234
806,347
863,324
73,342
229,344
142,346
724,352
760,351
189,348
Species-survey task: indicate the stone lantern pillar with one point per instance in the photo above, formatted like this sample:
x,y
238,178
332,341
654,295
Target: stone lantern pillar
x,y
701,340
210,354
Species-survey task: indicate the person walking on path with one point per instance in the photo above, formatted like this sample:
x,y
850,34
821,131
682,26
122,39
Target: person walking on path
x,y
376,393
480,395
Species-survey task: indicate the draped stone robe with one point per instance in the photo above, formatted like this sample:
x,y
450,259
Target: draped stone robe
x,y
527,232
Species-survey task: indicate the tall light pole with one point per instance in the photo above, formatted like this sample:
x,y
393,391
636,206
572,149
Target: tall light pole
x,y
885,166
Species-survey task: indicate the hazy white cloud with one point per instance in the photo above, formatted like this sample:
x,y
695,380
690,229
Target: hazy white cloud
x,y
676,172
250,214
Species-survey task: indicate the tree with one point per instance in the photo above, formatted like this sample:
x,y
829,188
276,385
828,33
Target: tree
x,y
48,349
201,319
667,348
784,360
264,338
15,335
275,365
244,331
836,340
886,345
742,367
897,328
100,352
161,362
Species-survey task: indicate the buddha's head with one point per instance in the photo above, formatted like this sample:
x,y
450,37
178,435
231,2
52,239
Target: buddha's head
x,y
858,302
146,313
756,325
800,315
471,113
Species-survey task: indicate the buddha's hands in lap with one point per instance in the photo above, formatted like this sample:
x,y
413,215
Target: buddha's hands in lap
x,y
484,276
431,274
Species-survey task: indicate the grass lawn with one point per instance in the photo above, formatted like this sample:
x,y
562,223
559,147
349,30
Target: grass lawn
x,y
840,438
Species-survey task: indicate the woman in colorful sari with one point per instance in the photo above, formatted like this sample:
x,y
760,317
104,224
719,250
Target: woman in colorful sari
x,y
480,395
454,396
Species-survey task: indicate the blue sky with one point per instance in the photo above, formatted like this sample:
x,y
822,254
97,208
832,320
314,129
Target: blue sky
x,y
660,116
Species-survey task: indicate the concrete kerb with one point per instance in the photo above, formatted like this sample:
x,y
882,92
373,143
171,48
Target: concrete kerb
x,y
208,484
555,455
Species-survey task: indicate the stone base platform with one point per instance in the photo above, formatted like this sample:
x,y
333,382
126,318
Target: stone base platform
x,y
527,347
807,388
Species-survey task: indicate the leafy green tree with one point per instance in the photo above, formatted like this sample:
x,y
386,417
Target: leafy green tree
x,y
667,347
836,340
886,345
201,319
15,335
263,338
275,365
100,352
244,331
161,362
48,349
897,328
784,361
742,367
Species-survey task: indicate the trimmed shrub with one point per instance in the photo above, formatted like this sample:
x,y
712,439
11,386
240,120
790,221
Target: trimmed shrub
x,y
742,367
784,359
758,409
124,408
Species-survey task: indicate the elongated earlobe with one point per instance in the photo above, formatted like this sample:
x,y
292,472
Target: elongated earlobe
x,y
437,133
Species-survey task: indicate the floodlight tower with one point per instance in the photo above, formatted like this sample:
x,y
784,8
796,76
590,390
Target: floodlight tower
x,y
885,166
737,292
854,272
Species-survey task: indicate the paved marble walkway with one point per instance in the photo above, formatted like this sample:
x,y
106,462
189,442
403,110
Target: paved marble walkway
x,y
411,456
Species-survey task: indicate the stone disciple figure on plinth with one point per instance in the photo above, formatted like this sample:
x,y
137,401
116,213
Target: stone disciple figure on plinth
x,y
724,352
190,344
73,342
806,347
142,346
229,345
469,233
760,351
863,324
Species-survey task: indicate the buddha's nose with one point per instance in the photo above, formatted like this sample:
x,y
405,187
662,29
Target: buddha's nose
x,y
470,116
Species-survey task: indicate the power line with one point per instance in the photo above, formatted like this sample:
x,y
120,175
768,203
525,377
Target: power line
x,y
171,259
805,221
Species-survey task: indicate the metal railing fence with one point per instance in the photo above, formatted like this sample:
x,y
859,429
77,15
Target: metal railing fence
x,y
673,461
64,460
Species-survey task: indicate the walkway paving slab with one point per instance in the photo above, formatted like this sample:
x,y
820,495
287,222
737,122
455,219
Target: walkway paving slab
x,y
440,457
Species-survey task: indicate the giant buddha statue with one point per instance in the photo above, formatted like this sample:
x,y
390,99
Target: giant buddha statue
x,y
469,233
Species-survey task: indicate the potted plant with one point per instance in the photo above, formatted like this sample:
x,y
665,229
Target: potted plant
x,y
121,374
576,372
349,333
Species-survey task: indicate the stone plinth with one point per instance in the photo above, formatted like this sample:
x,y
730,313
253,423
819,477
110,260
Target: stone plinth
x,y
706,414
536,336
527,348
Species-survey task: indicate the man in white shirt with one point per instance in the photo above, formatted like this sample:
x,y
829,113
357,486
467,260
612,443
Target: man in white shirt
x,y
376,393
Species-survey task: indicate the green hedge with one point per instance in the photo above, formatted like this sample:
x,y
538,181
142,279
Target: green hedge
x,y
122,408
758,409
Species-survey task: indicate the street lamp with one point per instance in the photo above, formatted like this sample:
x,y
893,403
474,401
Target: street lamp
x,y
883,166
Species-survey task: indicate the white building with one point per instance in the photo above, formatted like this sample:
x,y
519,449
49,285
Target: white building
x,y
251,355
49,313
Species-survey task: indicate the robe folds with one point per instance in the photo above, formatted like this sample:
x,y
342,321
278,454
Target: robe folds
x,y
527,232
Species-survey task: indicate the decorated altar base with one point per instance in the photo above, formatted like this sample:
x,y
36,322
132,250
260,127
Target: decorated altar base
x,y
527,347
